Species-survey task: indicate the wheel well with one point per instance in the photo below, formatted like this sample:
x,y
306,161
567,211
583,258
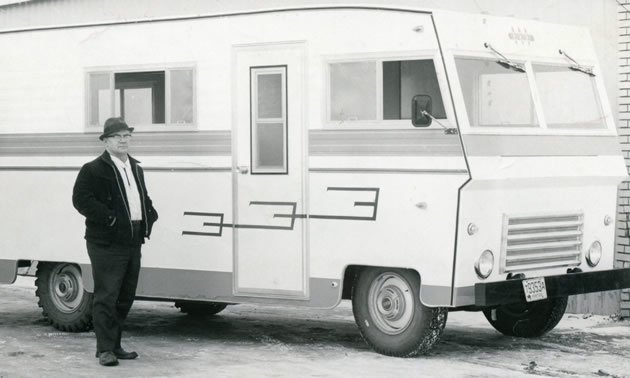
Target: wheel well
x,y
352,272
348,280
27,267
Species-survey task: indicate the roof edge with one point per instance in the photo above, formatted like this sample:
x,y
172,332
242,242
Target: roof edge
x,y
217,15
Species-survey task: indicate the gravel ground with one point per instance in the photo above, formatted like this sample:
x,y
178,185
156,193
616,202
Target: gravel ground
x,y
251,341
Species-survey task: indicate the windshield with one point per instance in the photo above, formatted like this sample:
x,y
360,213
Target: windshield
x,y
569,98
495,95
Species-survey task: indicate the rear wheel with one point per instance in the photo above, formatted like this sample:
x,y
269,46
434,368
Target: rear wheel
x,y
63,299
531,319
388,312
200,309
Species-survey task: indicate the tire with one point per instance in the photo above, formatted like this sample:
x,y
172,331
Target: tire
x,y
528,319
391,319
64,302
200,308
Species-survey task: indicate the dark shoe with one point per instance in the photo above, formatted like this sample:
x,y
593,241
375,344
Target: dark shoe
x,y
107,359
122,354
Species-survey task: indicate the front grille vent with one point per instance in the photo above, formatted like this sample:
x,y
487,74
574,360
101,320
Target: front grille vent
x,y
541,241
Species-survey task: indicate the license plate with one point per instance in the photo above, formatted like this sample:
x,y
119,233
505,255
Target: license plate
x,y
535,289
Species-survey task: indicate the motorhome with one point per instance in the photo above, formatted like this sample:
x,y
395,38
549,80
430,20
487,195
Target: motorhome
x,y
414,162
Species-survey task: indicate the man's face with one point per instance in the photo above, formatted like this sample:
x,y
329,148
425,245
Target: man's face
x,y
118,143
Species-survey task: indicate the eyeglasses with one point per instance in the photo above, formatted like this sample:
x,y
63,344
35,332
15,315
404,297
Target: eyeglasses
x,y
119,137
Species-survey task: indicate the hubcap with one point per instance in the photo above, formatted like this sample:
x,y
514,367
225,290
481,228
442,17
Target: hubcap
x,y
391,303
66,288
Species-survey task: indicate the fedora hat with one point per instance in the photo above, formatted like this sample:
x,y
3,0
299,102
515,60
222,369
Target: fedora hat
x,y
114,125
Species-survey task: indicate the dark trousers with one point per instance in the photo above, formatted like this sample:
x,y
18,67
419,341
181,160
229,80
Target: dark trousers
x,y
115,269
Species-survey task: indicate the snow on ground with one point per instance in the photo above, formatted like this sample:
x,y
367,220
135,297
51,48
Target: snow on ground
x,y
272,341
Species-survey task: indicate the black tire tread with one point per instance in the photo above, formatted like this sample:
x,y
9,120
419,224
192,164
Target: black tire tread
x,y
431,329
547,315
80,323
200,309
425,344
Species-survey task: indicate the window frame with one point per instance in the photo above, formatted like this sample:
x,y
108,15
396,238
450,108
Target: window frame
x,y
378,59
254,72
167,69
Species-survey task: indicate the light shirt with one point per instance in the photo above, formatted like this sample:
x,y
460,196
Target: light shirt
x,y
131,189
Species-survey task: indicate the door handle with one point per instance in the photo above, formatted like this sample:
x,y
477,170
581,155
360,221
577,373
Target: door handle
x,y
243,169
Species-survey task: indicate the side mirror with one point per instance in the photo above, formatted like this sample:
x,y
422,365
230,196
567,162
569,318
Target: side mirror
x,y
420,106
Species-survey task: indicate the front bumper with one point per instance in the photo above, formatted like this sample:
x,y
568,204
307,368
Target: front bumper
x,y
511,291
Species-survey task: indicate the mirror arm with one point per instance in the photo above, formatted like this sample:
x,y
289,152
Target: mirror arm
x,y
447,130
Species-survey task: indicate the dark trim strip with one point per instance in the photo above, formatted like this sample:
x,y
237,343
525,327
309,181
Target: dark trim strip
x,y
182,143
206,16
511,291
542,145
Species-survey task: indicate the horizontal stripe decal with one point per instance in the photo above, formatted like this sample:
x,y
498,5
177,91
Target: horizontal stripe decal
x,y
541,145
435,295
184,143
218,143
395,171
464,296
416,142
146,169
8,271
229,169
42,168
199,285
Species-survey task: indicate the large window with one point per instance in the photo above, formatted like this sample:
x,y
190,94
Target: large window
x,y
381,90
569,98
142,98
495,95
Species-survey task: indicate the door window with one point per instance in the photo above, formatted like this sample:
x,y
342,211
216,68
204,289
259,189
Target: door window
x,y
269,120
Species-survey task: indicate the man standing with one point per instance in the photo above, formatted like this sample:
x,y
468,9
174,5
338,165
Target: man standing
x,y
111,193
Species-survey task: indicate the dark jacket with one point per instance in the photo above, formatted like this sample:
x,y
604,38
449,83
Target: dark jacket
x,y
100,196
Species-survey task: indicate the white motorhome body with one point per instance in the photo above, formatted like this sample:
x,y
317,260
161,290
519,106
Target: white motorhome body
x,y
279,151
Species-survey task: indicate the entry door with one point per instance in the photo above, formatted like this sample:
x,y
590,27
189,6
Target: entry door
x,y
269,173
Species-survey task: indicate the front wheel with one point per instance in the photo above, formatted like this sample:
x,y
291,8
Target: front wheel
x,y
63,299
531,319
391,319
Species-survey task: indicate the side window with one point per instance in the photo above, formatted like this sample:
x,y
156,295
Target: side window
x,y
353,91
381,90
404,79
142,98
269,120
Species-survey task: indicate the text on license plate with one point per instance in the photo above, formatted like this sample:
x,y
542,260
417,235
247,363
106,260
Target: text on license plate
x,y
535,289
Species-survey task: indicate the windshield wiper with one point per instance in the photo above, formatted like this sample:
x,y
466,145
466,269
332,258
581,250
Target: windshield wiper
x,y
505,62
577,67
